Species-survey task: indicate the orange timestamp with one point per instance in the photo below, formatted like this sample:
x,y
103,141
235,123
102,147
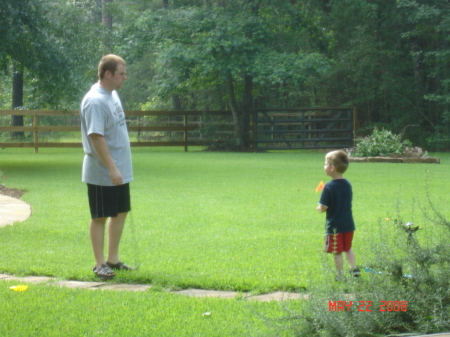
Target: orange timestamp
x,y
367,306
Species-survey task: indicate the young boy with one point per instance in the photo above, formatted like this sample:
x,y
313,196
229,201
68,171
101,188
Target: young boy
x,y
336,200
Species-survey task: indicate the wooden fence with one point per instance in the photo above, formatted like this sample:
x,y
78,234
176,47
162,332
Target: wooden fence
x,y
306,128
169,122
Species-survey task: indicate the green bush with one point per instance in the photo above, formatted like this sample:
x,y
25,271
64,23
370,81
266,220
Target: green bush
x,y
405,285
380,143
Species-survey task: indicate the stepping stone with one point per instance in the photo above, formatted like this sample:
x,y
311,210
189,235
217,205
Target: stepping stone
x,y
13,210
77,284
127,287
207,293
279,296
27,279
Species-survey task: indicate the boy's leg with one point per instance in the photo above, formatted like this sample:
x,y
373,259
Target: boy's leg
x,y
115,229
97,233
339,264
350,256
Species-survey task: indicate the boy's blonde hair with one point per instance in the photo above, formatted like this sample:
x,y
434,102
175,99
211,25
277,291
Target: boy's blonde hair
x,y
339,159
109,62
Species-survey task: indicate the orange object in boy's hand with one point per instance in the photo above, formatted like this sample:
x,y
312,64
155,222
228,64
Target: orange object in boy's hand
x,y
320,187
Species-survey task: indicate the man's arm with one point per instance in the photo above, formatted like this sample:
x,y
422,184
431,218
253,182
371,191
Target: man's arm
x,y
101,148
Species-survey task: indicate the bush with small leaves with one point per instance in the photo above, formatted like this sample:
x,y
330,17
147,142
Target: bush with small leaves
x,y
380,143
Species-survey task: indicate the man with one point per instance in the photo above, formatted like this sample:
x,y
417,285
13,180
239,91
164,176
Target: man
x,y
107,167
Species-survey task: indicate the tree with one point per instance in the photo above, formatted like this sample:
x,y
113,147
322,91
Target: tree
x,y
234,46
389,61
56,43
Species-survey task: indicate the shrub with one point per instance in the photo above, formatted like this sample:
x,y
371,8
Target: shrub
x,y
380,143
406,283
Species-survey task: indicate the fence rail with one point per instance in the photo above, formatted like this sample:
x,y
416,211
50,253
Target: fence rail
x,y
180,122
271,128
304,128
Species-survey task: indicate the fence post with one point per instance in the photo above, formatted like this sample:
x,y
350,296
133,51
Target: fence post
x,y
35,133
354,111
185,132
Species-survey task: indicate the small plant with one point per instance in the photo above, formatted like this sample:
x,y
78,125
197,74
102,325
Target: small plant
x,y
380,143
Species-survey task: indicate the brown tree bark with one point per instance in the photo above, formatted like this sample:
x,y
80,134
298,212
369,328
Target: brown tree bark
x,y
234,110
107,45
17,100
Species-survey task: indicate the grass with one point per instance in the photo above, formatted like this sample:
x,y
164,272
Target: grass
x,y
76,312
228,221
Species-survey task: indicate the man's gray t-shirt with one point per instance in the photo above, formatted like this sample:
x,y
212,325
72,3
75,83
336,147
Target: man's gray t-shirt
x,y
101,112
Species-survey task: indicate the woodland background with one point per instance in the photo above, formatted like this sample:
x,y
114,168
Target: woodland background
x,y
389,59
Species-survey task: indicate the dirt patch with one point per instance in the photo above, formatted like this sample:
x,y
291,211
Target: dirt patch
x,y
11,192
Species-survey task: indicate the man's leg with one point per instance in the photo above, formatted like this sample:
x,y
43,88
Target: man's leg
x,y
97,232
115,229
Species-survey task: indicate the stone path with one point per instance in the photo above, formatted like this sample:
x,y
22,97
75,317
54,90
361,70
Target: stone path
x,y
50,281
13,210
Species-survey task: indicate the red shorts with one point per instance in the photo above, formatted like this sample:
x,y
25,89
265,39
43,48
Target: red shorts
x,y
338,243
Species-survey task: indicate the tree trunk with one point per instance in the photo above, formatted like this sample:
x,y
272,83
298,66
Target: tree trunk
x,y
165,3
107,46
418,76
17,100
234,110
97,12
248,110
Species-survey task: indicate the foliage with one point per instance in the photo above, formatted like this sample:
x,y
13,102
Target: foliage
x,y
55,42
390,59
404,288
440,140
380,143
216,134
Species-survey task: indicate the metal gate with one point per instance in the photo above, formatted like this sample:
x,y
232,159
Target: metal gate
x,y
305,128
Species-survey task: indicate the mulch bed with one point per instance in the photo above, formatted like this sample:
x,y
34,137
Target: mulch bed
x,y
429,160
11,192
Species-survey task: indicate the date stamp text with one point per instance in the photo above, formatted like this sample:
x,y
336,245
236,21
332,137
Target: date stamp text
x,y
383,306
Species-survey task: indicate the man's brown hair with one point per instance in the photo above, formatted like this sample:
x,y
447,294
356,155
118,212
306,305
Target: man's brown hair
x,y
109,62
339,159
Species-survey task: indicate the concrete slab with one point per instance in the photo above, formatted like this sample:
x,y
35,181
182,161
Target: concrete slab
x,y
126,287
207,293
13,210
28,279
279,296
77,284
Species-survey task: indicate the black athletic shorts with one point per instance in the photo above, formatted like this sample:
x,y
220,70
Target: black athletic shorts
x,y
108,201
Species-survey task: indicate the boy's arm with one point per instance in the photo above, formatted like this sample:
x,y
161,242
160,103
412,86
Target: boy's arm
x,y
321,208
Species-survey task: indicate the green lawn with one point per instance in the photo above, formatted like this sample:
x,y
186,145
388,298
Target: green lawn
x,y
229,221
44,310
